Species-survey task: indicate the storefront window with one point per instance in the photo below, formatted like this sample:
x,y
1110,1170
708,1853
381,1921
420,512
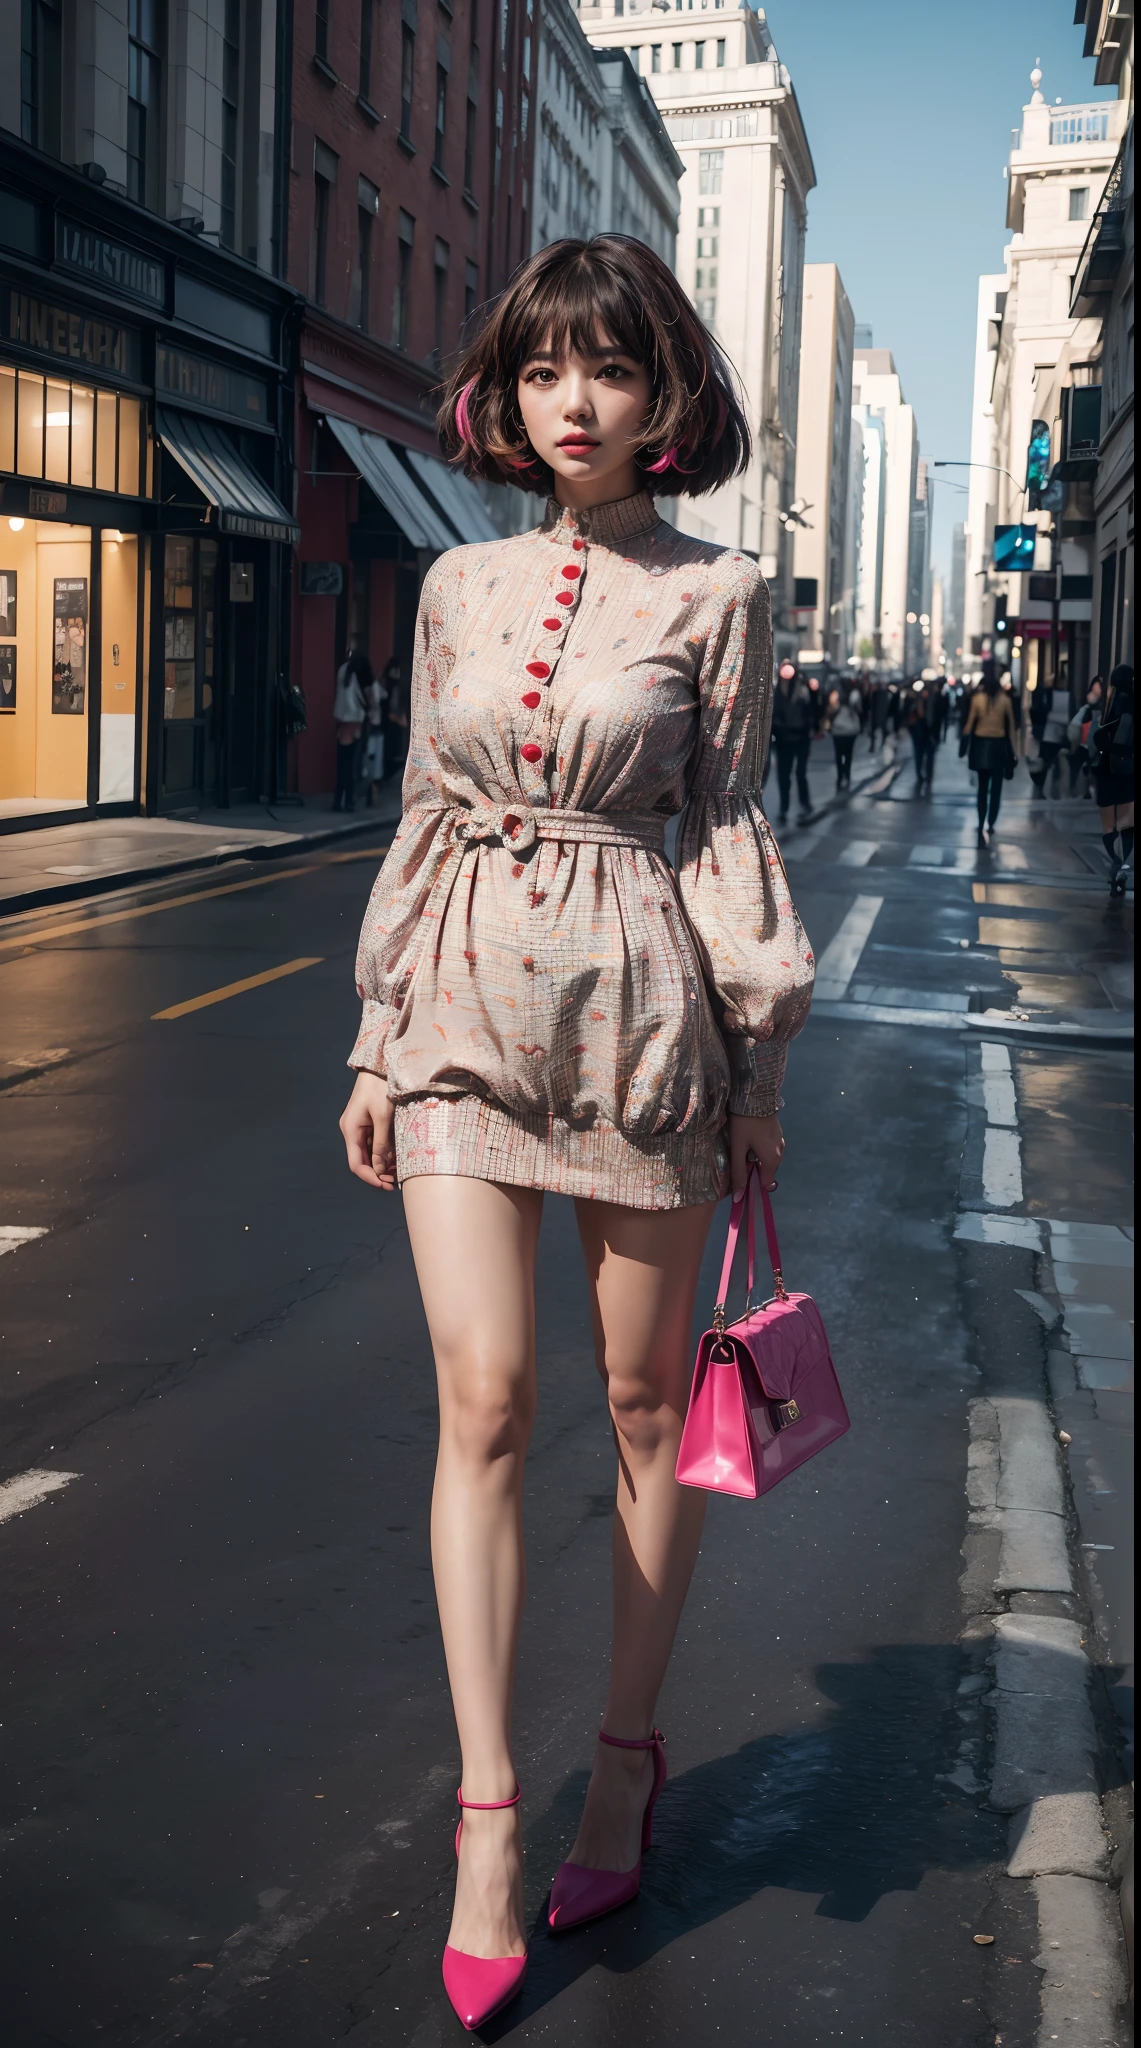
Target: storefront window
x,y
69,434
178,630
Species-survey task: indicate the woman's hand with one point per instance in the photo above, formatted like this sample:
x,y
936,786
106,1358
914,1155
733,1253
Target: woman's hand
x,y
366,1128
759,1138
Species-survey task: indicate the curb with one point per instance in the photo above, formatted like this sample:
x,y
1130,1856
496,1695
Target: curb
x,y
281,848
1090,1035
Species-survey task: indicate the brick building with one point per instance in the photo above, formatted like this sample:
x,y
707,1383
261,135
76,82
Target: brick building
x,y
409,201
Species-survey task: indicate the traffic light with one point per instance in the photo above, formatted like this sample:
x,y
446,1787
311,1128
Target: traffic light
x,y
1014,547
1001,621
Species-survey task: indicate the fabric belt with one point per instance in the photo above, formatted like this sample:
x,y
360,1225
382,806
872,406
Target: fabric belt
x,y
520,827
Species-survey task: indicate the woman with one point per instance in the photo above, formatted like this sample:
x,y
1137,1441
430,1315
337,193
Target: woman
x,y
845,727
349,704
988,742
793,717
1049,719
547,1006
375,698
1114,744
1079,734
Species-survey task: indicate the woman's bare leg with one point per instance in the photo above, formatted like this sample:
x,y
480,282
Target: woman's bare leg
x,y
643,1269
474,1247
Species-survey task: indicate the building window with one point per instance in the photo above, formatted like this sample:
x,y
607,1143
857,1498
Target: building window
x,y
364,81
231,74
721,53
321,30
471,289
144,102
1079,202
677,56
406,229
655,56
368,206
407,76
439,299
441,116
710,165
324,179
699,56
40,75
619,6
469,145
70,434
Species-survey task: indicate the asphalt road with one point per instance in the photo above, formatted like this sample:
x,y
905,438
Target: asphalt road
x,y
228,1756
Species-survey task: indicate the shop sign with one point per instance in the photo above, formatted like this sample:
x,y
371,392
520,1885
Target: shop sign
x,y
110,263
47,504
322,579
194,380
59,331
69,645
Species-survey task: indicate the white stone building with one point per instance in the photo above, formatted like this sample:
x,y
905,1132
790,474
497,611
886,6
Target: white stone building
x,y
572,130
731,112
823,441
886,585
1033,356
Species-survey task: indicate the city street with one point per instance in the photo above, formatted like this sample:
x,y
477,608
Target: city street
x,y
229,1762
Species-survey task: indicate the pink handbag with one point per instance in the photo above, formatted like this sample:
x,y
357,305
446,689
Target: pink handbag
x,y
765,1396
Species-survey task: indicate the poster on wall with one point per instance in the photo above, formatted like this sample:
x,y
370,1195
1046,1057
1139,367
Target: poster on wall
x,y
8,603
7,679
69,645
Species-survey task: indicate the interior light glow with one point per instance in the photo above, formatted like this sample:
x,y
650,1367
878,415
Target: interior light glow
x,y
17,525
59,419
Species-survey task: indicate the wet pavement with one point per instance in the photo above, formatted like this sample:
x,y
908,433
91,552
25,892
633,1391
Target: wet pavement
x,y
228,1756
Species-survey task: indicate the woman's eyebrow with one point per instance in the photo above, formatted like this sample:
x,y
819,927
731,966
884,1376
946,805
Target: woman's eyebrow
x,y
547,355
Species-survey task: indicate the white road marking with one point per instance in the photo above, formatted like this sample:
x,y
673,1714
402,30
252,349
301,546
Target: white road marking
x,y
925,857
28,1489
1002,1169
841,956
1012,857
804,842
13,1235
1022,1233
858,853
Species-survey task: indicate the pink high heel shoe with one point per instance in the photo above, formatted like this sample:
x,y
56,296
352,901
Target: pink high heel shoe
x,y
480,1986
579,1894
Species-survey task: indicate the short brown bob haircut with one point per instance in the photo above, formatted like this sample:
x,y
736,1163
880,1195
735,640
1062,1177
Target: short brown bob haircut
x,y
575,295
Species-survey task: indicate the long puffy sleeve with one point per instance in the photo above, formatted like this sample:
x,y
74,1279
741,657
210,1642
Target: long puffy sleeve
x,y
755,954
394,931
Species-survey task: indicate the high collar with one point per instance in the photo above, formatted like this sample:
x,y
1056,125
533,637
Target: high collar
x,y
617,521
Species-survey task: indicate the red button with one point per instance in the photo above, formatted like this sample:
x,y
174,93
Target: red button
x,y
532,698
542,669
578,543
552,625
572,570
531,752
564,597
511,824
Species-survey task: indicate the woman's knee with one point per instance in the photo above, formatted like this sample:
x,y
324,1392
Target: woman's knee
x,y
487,1407
644,1408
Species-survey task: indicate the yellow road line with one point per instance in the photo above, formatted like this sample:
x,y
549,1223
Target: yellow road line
x,y
27,941
234,988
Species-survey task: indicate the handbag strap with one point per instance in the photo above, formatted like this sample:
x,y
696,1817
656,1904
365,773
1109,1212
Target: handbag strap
x,y
744,1209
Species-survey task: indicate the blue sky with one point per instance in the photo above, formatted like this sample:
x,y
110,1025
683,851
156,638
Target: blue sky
x,y
908,109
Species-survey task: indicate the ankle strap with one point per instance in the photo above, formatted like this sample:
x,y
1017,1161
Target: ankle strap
x,y
625,1742
486,1805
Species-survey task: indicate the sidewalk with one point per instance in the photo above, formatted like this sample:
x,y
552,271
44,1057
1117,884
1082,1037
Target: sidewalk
x,y
64,862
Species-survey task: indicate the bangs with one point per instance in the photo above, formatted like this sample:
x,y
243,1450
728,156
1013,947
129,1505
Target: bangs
x,y
576,297
579,309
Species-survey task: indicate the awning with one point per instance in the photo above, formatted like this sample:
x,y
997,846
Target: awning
x,y
456,496
387,477
245,505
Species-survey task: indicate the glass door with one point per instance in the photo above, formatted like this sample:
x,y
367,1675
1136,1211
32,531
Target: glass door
x,y
189,586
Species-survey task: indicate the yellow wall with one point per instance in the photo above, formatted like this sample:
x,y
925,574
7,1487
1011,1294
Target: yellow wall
x,y
18,731
61,740
120,651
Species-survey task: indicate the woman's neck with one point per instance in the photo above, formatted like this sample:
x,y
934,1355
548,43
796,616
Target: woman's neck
x,y
605,490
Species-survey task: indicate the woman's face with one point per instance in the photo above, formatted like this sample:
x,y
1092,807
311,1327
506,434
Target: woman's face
x,y
584,417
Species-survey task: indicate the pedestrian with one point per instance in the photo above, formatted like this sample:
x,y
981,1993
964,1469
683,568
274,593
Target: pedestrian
x,y
794,718
845,728
547,1007
375,697
988,742
917,717
396,715
1114,743
1079,734
353,678
1049,719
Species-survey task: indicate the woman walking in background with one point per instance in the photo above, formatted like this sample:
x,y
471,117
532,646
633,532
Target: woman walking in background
x,y
349,709
845,728
988,741
1114,743
547,1006
1049,720
1079,734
